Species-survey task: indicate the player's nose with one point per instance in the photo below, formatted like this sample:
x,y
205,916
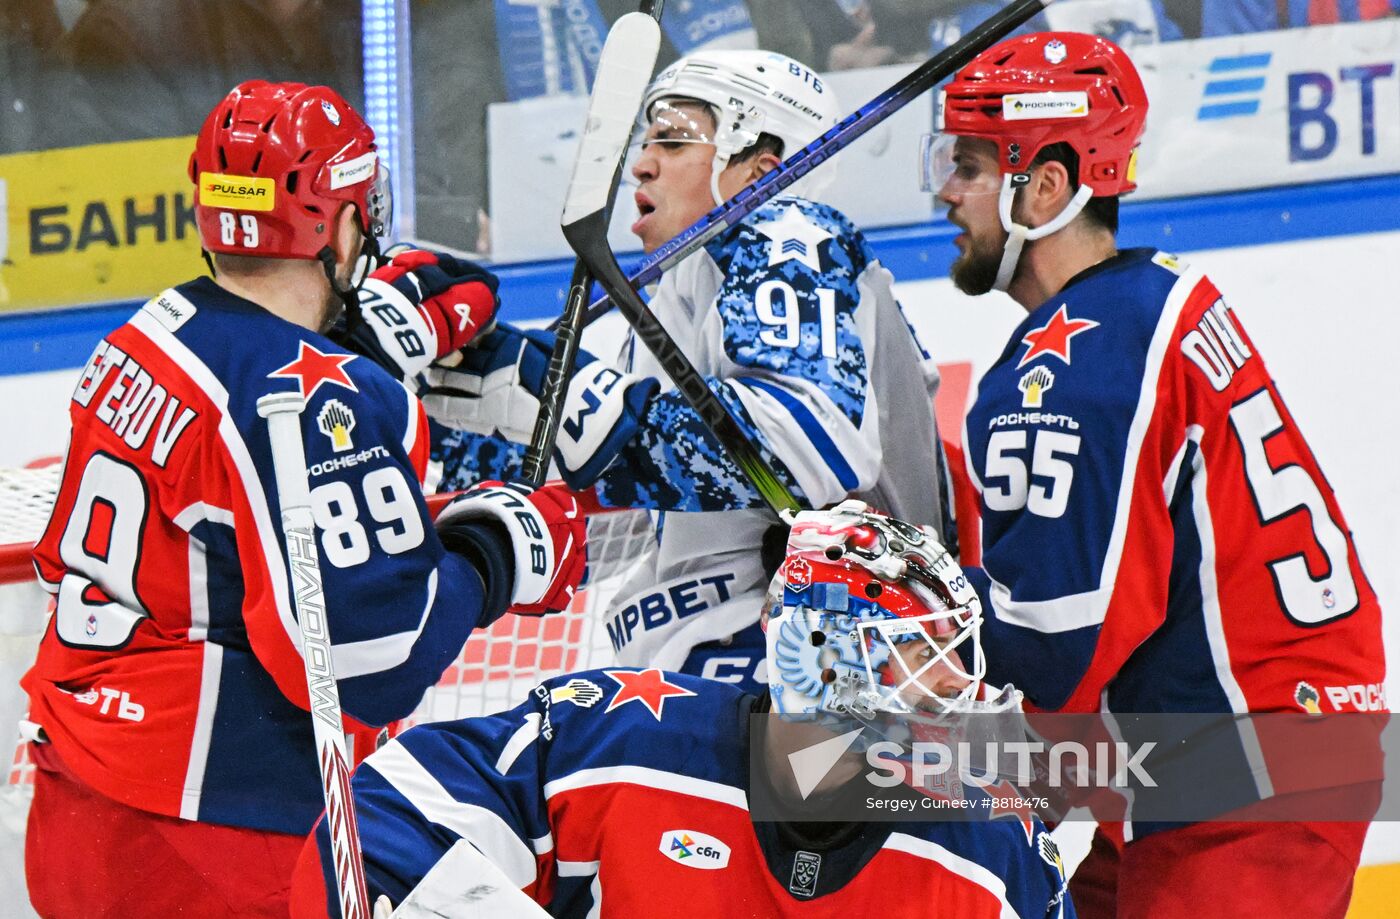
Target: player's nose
x,y
645,168
947,682
947,676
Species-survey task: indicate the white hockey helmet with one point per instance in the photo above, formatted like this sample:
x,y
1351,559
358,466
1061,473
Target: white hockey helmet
x,y
752,93
870,615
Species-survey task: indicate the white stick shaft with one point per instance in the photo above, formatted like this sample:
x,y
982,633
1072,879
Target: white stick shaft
x,y
283,414
624,70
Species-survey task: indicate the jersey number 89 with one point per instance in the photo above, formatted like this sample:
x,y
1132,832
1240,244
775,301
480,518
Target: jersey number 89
x,y
344,539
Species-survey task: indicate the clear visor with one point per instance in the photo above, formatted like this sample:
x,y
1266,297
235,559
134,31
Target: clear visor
x,y
944,169
670,125
381,204
380,218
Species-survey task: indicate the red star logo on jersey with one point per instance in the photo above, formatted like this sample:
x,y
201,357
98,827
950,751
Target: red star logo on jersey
x,y
1053,337
312,368
1007,801
646,686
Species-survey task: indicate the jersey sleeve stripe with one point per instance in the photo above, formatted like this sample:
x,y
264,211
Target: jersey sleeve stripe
x,y
962,867
148,325
650,778
1210,597
1063,614
199,579
211,670
375,655
199,512
478,825
519,742
410,426
810,427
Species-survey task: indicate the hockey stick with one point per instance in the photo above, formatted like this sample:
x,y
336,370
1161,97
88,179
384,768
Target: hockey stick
x,y
283,413
617,94
535,466
466,883
929,74
585,229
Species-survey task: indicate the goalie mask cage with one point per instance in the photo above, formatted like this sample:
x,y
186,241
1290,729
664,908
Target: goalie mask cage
x,y
496,670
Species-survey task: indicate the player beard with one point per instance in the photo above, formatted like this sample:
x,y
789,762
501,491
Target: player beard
x,y
331,311
975,270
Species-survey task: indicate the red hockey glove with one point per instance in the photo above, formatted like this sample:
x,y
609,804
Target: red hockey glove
x,y
421,306
547,532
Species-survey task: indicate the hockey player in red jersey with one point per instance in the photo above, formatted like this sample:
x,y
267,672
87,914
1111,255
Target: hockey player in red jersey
x,y
626,793
177,773
1156,534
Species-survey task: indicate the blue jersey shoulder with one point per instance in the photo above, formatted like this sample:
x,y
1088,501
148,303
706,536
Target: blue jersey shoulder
x,y
651,718
251,352
1096,332
1017,850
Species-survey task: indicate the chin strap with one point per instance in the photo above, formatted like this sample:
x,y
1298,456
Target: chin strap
x,y
721,163
365,262
1020,235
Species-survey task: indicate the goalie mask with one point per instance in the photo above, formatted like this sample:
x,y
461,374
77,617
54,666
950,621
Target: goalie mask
x,y
871,615
748,93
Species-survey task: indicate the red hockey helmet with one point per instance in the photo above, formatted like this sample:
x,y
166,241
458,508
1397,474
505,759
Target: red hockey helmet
x,y
1035,90
272,164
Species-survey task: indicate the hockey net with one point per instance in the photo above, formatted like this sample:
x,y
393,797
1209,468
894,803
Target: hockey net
x,y
497,667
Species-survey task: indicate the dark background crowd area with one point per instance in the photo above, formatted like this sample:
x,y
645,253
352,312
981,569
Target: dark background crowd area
x,y
76,72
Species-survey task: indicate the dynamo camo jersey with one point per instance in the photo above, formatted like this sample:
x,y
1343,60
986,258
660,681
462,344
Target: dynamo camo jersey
x,y
624,793
170,677
792,320
1157,535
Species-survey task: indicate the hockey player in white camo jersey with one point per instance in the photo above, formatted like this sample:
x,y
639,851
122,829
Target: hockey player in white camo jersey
x,y
784,314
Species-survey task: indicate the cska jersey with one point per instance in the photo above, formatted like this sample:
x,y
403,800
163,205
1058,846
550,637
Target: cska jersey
x,y
1157,535
793,321
623,793
170,676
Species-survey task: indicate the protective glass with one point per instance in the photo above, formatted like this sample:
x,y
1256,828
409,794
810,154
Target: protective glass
x,y
946,169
